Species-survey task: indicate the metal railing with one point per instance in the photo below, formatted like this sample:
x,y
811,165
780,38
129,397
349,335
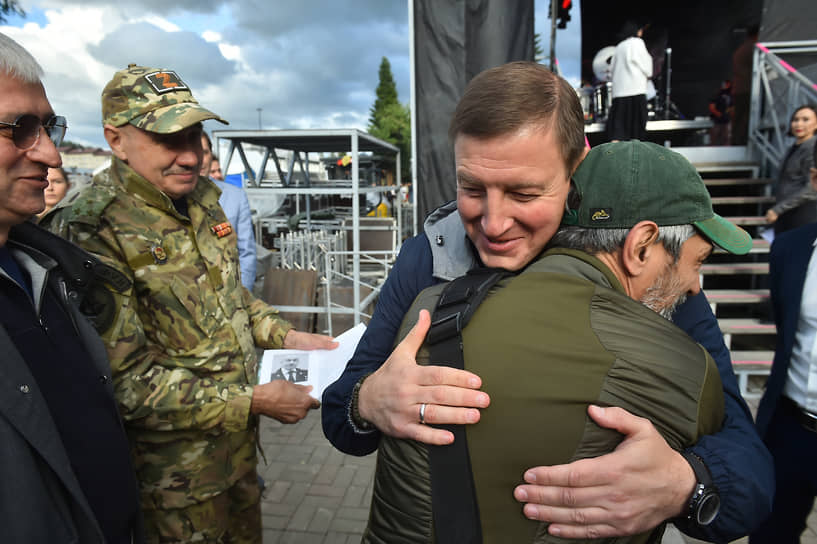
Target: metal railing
x,y
777,88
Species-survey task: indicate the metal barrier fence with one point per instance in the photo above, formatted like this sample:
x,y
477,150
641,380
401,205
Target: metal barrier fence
x,y
307,250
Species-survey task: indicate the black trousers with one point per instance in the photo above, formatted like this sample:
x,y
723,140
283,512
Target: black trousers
x,y
628,118
794,450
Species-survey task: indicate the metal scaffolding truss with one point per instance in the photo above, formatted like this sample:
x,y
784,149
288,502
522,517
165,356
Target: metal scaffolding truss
x,y
295,179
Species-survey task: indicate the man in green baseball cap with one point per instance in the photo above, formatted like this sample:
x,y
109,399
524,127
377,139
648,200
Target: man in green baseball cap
x,y
581,325
627,192
623,183
182,342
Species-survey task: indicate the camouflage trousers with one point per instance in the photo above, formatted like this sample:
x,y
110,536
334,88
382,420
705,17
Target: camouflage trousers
x,y
232,517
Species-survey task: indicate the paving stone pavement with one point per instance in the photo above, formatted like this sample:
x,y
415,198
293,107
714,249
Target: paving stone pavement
x,y
317,495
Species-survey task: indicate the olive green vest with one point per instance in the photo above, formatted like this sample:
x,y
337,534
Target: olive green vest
x,y
547,343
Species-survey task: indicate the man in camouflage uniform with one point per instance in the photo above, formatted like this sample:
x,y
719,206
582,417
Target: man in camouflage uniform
x,y
182,343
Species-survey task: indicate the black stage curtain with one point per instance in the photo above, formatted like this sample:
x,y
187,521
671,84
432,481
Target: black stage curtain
x,y
453,41
791,20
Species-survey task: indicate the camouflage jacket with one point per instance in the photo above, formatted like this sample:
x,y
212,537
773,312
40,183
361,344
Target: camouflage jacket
x,y
182,342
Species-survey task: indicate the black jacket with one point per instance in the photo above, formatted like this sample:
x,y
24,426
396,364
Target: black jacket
x,y
788,264
40,497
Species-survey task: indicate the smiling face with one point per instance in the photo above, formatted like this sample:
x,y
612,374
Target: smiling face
x,y
804,124
170,162
23,172
511,192
673,282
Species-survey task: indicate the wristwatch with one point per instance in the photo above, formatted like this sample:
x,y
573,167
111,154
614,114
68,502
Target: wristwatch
x,y
354,413
705,502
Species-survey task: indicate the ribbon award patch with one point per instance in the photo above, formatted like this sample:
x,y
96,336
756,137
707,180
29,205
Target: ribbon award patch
x,y
222,229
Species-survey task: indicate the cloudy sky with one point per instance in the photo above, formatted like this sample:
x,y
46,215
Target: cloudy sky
x,y
304,63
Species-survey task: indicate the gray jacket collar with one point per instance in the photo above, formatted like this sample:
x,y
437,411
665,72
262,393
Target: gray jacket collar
x,y
451,251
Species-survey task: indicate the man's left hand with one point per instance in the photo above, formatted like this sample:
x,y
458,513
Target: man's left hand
x,y
642,483
306,340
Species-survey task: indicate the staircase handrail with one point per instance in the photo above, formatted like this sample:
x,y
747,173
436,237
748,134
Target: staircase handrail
x,y
768,130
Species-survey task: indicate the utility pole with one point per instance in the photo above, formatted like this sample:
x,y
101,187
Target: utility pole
x,y
554,6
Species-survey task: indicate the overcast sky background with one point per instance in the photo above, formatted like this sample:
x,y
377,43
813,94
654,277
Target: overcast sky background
x,y
306,64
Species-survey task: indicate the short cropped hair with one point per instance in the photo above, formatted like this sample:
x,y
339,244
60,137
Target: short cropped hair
x,y
18,63
209,142
595,241
517,95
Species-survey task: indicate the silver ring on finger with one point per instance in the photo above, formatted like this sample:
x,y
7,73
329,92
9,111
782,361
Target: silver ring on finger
x,y
423,413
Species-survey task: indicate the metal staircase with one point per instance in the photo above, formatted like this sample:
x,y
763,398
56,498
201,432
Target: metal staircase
x,y
737,178
737,286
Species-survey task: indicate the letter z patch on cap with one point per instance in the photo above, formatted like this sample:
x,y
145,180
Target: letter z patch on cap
x,y
600,214
166,82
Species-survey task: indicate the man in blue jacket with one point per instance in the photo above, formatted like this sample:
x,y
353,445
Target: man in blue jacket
x,y
518,136
787,416
233,201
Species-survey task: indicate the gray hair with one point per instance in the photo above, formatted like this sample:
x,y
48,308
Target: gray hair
x,y
18,63
595,241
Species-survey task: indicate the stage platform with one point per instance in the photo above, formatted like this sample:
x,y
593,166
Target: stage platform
x,y
680,132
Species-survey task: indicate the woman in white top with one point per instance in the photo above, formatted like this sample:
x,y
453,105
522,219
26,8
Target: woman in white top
x,y
631,68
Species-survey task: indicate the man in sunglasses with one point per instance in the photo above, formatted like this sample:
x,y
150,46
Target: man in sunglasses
x,y
64,457
183,341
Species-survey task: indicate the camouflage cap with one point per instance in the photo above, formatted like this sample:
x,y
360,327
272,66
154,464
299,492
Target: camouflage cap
x,y
151,99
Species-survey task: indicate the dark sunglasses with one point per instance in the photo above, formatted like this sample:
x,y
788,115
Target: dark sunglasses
x,y
25,131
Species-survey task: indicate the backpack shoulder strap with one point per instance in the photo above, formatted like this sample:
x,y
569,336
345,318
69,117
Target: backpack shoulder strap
x,y
453,497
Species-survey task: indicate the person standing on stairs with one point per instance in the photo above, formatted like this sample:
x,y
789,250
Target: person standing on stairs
x,y
796,199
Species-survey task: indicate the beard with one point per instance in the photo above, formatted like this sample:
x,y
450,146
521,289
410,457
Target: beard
x,y
665,295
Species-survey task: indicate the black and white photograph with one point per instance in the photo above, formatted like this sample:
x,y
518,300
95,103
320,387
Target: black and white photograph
x,y
291,366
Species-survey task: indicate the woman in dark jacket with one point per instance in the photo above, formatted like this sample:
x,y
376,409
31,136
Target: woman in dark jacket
x,y
796,200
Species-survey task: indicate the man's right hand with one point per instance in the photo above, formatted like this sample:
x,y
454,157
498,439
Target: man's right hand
x,y
283,400
391,397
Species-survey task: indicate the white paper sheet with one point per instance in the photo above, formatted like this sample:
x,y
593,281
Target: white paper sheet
x,y
317,368
767,234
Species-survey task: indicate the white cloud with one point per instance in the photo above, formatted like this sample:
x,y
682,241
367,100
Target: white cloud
x,y
307,64
230,52
211,36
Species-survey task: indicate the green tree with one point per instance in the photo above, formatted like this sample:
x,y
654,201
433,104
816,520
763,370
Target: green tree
x,y
390,120
10,7
538,52
386,92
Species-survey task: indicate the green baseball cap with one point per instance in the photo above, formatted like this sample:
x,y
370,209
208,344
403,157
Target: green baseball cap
x,y
151,99
622,183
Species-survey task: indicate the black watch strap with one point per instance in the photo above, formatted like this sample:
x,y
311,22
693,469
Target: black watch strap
x,y
700,469
704,503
